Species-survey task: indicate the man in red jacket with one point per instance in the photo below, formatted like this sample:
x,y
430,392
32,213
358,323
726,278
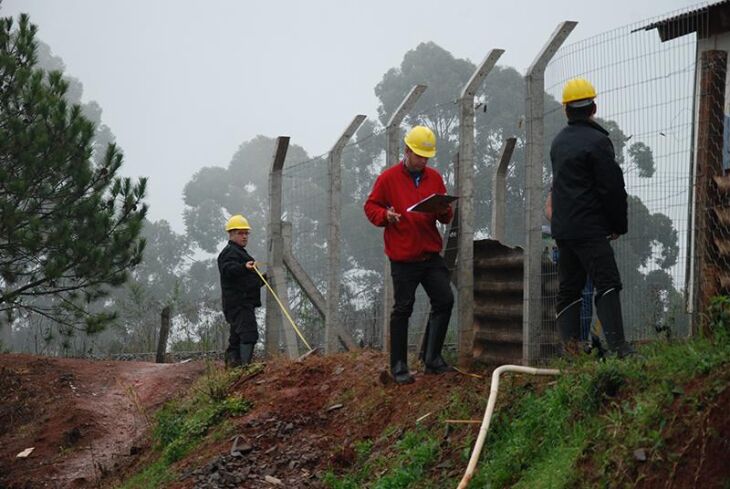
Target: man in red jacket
x,y
413,245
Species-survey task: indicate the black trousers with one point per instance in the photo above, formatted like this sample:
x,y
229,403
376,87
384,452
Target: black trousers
x,y
585,257
243,327
433,275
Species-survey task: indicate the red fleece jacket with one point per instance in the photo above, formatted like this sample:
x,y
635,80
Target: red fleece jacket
x,y
416,233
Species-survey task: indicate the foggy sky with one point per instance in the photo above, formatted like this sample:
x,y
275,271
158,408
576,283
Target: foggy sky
x,y
182,84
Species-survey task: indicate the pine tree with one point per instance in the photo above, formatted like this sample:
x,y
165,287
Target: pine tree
x,y
69,227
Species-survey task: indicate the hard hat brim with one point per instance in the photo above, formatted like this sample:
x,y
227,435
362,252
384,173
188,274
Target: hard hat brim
x,y
425,154
580,103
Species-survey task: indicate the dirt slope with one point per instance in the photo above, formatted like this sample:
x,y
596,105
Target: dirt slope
x,y
84,419
88,423
308,416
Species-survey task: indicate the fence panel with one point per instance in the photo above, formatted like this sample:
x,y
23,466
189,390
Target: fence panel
x,y
646,101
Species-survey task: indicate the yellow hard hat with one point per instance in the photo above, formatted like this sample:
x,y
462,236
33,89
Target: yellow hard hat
x,y
237,222
422,141
578,92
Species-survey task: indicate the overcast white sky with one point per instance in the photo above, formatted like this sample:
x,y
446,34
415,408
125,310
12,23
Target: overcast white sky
x,y
182,84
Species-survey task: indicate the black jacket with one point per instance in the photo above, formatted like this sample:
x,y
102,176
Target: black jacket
x,y
589,195
240,287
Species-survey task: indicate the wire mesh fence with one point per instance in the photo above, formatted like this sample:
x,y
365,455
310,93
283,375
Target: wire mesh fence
x,y
363,262
646,84
362,259
646,102
305,187
665,110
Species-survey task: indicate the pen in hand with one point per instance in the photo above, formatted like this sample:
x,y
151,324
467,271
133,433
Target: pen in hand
x,y
391,215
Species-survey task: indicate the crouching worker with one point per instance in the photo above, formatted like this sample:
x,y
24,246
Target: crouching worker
x,y
241,291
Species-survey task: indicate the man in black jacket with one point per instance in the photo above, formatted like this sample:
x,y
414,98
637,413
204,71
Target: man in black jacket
x,y
589,210
240,287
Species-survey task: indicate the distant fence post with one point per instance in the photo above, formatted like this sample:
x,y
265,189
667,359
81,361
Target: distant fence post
x,y
465,189
535,135
392,146
499,190
277,278
334,280
164,334
6,336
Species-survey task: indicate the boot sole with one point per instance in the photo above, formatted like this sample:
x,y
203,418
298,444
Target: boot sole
x,y
404,380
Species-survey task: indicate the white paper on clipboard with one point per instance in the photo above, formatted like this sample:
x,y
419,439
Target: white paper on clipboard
x,y
432,203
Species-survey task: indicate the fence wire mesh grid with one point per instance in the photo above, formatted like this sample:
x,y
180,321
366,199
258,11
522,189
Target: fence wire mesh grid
x,y
647,101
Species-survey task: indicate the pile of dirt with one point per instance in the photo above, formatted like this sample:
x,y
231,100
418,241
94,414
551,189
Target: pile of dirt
x,y
307,417
83,419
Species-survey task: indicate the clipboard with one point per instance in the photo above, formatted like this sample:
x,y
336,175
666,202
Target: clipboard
x,y
432,203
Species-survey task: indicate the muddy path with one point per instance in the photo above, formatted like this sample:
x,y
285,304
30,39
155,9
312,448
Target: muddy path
x,y
84,419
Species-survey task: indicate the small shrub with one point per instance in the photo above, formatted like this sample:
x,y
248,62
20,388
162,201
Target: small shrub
x,y
719,314
606,384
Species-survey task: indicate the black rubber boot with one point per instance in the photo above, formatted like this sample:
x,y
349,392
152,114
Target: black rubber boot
x,y
568,323
399,354
437,328
232,359
608,310
246,353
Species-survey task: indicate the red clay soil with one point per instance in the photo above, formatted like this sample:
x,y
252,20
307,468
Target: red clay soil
x,y
308,416
84,419
88,423
697,440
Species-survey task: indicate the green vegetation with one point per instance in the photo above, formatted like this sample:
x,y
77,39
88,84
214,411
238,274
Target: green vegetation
x,y
413,453
600,424
71,225
582,430
182,425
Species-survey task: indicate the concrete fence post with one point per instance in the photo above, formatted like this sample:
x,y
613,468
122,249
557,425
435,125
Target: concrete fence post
x,y
535,135
164,334
499,190
334,279
277,277
465,186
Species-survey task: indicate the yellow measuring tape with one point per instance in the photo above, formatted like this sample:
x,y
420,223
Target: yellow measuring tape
x,y
281,306
464,372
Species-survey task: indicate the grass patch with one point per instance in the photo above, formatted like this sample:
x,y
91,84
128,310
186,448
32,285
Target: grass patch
x,y
406,465
582,432
580,429
181,425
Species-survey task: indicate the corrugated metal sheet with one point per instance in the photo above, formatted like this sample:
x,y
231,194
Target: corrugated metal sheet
x,y
706,20
498,302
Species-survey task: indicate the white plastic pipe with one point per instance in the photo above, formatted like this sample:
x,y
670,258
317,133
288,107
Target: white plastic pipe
x,y
488,413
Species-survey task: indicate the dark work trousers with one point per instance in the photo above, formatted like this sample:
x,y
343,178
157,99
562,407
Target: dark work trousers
x,y
243,327
433,275
585,257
